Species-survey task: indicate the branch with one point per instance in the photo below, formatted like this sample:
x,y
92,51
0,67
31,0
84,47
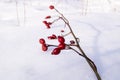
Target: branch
x,y
90,62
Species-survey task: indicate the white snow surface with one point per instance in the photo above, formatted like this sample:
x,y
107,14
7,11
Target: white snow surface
x,y
21,57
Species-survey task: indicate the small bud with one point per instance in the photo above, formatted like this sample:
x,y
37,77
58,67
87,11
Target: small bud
x,y
78,39
72,42
52,37
62,31
45,22
47,17
49,23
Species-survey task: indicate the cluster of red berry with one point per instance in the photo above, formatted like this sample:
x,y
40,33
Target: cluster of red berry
x,y
61,39
57,50
62,45
47,24
44,46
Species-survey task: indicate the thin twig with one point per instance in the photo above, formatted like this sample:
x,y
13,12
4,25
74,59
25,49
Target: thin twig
x,y
69,46
92,65
55,20
84,57
66,34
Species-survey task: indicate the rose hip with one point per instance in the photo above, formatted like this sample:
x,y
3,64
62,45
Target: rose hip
x,y
42,41
44,47
47,24
61,39
51,7
56,51
61,46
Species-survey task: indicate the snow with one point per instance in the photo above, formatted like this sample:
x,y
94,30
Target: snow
x,y
21,57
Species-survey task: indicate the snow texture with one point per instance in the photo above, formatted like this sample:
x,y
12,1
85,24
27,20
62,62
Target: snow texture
x,y
98,28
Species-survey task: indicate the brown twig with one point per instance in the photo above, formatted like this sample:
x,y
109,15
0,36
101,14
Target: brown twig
x,y
69,47
90,62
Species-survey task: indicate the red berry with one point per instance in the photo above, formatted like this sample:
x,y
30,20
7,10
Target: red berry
x,y
61,46
51,7
44,47
47,17
47,24
56,51
61,39
42,41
